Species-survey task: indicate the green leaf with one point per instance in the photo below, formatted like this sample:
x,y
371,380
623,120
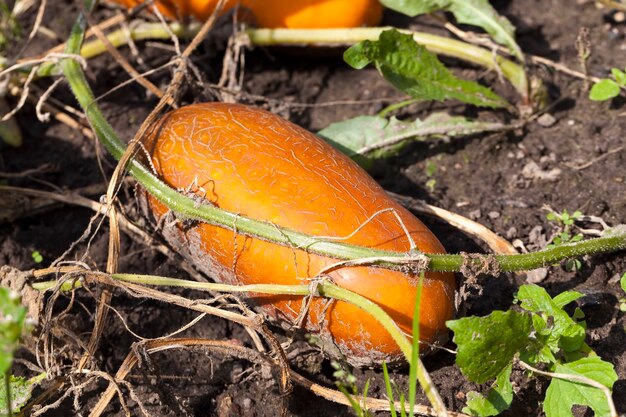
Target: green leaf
x,y
37,256
411,68
414,8
389,390
12,320
622,282
620,77
486,345
604,90
21,390
566,297
360,55
562,394
499,398
365,138
473,12
564,333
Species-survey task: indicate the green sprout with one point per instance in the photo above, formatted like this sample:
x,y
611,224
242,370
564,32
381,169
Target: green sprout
x,y
565,221
37,256
608,88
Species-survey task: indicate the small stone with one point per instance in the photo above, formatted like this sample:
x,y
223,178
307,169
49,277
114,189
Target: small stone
x,y
475,214
493,215
536,275
537,238
615,279
546,120
532,171
511,233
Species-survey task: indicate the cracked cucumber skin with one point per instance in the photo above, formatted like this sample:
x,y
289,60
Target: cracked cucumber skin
x,y
302,14
254,163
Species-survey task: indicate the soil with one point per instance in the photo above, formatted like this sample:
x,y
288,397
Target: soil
x,y
489,178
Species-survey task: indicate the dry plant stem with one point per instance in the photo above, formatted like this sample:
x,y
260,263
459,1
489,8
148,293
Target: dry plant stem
x,y
137,283
49,200
112,21
136,233
147,84
563,68
599,158
437,44
41,169
63,118
576,378
495,242
188,208
241,352
371,404
472,38
114,239
324,289
336,37
614,4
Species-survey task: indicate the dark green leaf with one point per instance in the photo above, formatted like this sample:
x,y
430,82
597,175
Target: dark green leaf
x,y
564,333
499,397
361,54
366,138
411,68
562,394
472,12
414,8
486,345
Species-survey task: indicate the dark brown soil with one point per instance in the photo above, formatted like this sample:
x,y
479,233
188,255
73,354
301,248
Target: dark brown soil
x,y
481,178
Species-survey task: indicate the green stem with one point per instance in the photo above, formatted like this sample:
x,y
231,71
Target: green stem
x,y
437,44
7,391
395,106
188,208
415,347
325,289
409,349
336,37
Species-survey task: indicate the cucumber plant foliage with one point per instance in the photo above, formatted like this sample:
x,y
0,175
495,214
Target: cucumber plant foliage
x,y
367,138
542,335
15,391
414,70
472,12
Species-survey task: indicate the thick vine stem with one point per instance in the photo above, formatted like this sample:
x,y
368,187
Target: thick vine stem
x,y
333,37
189,208
436,44
322,289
